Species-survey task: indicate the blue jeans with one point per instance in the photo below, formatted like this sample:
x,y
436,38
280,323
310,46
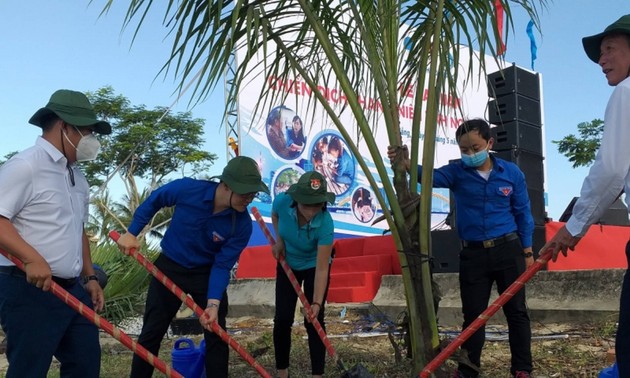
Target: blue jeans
x,y
622,343
38,326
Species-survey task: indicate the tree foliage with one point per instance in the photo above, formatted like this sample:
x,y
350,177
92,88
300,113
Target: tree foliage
x,y
581,150
146,145
7,157
365,49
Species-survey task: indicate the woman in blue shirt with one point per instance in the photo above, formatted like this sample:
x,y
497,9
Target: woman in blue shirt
x,y
495,224
304,230
295,138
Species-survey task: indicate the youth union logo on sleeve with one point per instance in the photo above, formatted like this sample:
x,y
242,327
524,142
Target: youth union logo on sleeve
x,y
216,237
506,190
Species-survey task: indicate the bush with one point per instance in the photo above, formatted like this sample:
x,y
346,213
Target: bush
x,y
128,281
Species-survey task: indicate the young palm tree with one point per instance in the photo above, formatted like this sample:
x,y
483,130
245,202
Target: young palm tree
x,y
371,49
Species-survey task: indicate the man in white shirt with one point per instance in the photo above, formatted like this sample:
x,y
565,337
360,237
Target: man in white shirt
x,y
610,174
43,207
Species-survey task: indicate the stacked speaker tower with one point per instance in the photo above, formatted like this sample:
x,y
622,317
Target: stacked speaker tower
x,y
514,110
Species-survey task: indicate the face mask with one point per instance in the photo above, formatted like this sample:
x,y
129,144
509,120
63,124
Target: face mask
x,y
475,160
88,147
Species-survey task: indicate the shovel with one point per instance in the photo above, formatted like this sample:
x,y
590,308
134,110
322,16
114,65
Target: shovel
x,y
358,371
103,324
486,315
216,328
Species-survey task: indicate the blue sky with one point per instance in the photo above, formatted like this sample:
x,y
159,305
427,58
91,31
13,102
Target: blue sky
x,y
46,45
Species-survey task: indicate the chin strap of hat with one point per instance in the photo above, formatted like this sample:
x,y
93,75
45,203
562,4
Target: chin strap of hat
x,y
68,167
231,194
63,144
233,213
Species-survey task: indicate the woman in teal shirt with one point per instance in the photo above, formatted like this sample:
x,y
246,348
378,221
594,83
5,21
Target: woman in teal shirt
x,y
304,230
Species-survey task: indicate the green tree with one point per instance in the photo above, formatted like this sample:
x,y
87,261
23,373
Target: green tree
x,y
7,157
145,145
581,149
358,47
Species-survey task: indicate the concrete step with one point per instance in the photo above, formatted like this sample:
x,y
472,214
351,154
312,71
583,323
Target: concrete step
x,y
378,263
353,287
552,296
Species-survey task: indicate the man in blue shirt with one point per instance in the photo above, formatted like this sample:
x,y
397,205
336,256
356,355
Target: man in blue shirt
x,y
495,225
208,231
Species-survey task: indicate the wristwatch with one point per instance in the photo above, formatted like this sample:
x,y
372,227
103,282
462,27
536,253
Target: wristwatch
x,y
87,279
528,254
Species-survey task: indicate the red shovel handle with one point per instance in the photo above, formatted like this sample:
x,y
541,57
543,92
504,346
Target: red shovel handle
x,y
486,315
103,324
296,286
216,328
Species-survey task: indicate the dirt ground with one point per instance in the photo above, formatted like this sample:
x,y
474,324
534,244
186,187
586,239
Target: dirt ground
x,y
559,350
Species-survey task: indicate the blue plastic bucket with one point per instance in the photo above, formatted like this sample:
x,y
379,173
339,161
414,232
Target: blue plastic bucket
x,y
202,358
186,359
609,372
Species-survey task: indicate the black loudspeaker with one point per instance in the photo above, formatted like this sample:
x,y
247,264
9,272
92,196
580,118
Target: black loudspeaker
x,y
538,240
445,246
514,108
517,134
531,164
514,80
537,205
451,218
616,215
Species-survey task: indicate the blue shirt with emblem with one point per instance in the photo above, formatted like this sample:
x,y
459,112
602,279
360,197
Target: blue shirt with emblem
x,y
196,237
301,242
488,209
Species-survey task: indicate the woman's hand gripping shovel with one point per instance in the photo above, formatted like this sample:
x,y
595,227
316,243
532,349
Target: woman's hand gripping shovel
x,y
103,324
193,306
358,371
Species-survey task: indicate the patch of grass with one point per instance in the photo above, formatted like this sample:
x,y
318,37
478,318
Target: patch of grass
x,y
607,329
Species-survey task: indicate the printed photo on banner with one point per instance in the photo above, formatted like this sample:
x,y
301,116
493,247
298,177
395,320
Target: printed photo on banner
x,y
285,133
333,160
284,177
363,205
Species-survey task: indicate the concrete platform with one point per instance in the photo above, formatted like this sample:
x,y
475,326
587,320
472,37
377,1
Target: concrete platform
x,y
552,297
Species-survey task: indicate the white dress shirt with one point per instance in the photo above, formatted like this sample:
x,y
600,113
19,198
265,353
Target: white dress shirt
x,y
611,170
37,196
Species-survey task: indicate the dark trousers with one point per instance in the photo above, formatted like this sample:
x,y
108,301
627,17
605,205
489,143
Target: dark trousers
x,y
622,343
38,326
286,300
161,308
479,269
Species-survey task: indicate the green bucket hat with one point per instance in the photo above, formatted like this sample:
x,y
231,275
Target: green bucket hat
x,y
242,176
593,43
73,108
310,189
